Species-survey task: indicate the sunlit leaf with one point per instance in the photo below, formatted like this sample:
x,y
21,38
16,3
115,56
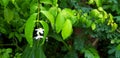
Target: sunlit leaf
x,y
90,1
114,26
50,17
59,22
29,27
98,3
93,26
94,13
53,11
46,30
67,29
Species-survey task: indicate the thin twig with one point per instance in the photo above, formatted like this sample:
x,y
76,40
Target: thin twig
x,y
16,44
95,42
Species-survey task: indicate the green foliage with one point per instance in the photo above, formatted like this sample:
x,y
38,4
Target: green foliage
x,y
46,30
5,53
76,25
30,24
67,29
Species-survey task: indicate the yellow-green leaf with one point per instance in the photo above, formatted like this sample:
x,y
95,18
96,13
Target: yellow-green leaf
x,y
67,29
93,26
59,22
114,26
90,1
98,3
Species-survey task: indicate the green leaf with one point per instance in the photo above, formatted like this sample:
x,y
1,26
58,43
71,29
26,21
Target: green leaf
x,y
114,26
69,14
90,1
5,2
46,1
60,20
98,3
46,30
8,14
33,8
39,53
53,11
33,52
3,30
88,23
55,2
56,36
93,26
94,13
29,27
50,17
67,29
91,53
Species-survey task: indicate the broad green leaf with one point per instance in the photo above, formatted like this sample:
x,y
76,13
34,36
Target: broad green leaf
x,y
50,17
67,29
5,2
94,52
53,11
93,26
98,3
88,54
8,14
59,22
46,1
91,53
29,28
46,30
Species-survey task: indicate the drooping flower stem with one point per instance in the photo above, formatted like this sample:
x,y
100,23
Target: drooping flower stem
x,y
38,16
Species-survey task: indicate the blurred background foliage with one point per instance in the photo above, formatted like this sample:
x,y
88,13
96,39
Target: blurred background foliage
x,y
95,25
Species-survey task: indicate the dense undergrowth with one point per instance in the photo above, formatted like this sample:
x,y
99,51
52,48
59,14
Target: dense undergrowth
x,y
59,29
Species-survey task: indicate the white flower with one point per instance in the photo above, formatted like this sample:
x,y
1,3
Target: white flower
x,y
39,31
38,37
